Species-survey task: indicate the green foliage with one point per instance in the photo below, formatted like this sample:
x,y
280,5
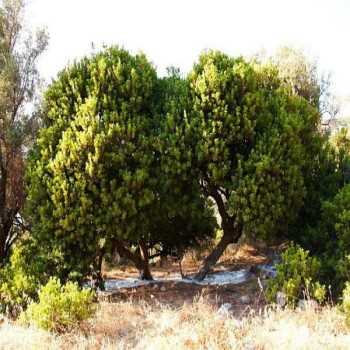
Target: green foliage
x,y
321,171
341,141
29,267
60,307
322,179
297,277
126,156
245,139
92,171
334,226
96,174
18,282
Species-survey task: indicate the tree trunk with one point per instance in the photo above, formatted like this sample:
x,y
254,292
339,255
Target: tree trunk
x,y
232,232
180,267
142,264
210,261
3,219
97,275
2,246
145,273
5,231
163,261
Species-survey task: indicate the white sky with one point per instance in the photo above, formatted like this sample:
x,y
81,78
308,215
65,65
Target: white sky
x,y
175,32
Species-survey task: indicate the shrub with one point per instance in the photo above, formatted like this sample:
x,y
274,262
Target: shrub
x,y
19,281
60,307
334,222
297,277
22,276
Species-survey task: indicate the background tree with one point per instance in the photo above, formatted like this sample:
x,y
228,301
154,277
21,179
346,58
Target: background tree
x,y
333,230
243,141
19,80
302,74
324,168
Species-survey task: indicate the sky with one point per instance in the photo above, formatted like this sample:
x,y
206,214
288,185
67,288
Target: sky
x,y
175,32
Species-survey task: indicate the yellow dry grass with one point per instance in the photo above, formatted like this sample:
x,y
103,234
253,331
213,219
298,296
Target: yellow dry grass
x,y
131,325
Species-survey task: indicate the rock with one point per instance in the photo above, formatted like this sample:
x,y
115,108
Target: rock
x,y
281,299
224,309
307,304
155,286
163,289
245,299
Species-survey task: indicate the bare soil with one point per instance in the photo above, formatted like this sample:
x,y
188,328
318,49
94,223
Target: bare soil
x,y
178,293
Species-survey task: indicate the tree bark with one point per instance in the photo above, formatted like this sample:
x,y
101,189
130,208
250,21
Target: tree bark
x,y
210,261
3,219
145,273
2,247
97,275
142,264
232,233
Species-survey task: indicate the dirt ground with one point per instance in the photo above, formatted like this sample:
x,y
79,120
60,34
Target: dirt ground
x,y
243,297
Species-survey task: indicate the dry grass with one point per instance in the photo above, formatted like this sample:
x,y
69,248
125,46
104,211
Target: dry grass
x,y
131,325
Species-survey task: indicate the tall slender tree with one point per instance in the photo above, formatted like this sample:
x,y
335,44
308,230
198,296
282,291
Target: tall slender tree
x,y
19,80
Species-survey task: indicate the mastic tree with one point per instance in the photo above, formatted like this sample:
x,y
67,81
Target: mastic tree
x,y
243,141
95,180
19,81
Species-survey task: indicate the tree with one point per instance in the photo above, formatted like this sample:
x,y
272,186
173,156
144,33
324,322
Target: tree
x,y
324,169
333,229
302,75
95,180
243,140
19,81
341,141
91,173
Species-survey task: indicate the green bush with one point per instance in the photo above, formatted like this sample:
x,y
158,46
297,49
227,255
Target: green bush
x,y
296,277
60,307
29,267
19,281
334,222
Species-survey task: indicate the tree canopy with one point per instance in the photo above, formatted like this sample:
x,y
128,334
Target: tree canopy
x,y
97,166
131,161
244,142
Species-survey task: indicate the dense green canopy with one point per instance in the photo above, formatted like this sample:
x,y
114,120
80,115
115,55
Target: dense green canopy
x,y
244,141
127,159
95,178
